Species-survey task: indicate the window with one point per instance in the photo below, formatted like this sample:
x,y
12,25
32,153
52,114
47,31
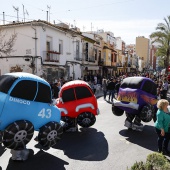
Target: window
x,y
68,95
25,89
83,92
61,46
44,93
115,58
149,87
6,83
48,45
112,57
77,50
95,54
133,83
48,49
86,52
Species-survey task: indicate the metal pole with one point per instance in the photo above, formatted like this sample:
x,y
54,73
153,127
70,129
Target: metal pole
x,y
47,16
4,18
23,12
33,59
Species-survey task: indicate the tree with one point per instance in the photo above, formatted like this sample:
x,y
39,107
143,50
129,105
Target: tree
x,y
162,37
6,44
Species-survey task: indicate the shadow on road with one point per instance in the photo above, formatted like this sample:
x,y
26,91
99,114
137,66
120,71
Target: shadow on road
x,y
147,138
40,161
87,145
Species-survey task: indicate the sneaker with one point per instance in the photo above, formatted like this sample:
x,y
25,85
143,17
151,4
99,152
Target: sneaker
x,y
137,127
128,124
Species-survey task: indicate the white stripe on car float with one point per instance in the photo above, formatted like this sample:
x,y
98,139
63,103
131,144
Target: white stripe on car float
x,y
64,110
129,105
82,106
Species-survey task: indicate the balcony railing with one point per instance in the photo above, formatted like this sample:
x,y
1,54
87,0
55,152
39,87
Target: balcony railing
x,y
51,56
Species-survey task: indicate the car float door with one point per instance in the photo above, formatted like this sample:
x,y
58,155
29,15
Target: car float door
x,y
19,98
67,102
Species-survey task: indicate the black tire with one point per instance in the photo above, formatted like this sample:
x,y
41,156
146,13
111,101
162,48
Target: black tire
x,y
18,134
50,134
116,111
147,113
86,119
69,122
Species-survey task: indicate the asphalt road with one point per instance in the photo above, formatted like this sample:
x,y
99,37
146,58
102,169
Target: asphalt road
x,y
107,145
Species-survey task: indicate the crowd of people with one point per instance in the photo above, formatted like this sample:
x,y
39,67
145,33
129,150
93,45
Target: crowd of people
x,y
111,86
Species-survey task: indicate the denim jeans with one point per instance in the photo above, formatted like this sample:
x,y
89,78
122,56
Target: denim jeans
x,y
162,140
111,94
104,93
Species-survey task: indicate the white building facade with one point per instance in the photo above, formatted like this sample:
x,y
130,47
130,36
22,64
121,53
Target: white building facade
x,y
47,50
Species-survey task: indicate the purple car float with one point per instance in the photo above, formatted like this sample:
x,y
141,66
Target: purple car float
x,y
137,97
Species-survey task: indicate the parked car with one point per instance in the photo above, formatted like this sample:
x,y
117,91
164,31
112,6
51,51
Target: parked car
x,y
137,95
26,105
77,101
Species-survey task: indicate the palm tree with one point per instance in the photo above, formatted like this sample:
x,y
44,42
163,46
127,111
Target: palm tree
x,y
162,37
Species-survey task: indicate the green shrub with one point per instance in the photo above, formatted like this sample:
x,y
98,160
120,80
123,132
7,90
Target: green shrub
x,y
154,161
138,166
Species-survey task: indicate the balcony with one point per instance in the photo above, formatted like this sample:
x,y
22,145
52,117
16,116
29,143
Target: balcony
x,y
51,56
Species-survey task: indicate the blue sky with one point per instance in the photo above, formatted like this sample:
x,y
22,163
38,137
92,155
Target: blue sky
x,y
125,18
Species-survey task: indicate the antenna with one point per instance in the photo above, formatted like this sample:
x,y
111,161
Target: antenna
x,y
91,27
49,7
16,9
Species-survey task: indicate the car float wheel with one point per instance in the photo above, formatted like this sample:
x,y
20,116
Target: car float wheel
x,y
86,119
18,134
116,111
69,122
49,134
147,113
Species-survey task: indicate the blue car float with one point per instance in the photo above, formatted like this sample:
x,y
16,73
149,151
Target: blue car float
x,y
26,105
137,97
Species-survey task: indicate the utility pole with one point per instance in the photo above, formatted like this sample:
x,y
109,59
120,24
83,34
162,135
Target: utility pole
x,y
34,63
47,16
23,12
4,18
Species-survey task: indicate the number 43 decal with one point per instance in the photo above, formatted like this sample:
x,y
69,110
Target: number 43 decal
x,y
45,113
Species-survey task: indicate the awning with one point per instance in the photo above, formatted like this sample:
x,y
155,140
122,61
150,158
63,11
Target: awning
x,y
92,68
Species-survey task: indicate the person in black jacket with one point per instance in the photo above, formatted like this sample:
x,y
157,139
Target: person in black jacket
x,y
56,90
111,89
117,86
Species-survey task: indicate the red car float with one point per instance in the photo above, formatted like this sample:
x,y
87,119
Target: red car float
x,y
78,104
